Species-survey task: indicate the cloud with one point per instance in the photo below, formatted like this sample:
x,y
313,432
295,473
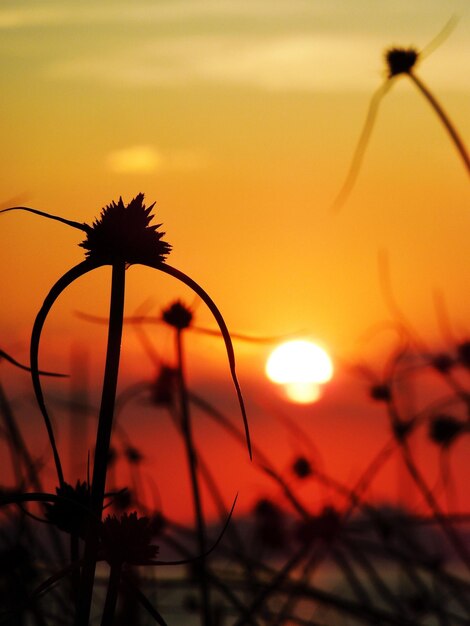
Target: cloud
x,y
268,44
293,62
47,13
145,159
317,62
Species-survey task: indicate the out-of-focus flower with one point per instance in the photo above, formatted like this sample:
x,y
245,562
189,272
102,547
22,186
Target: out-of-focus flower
x,y
302,467
177,315
400,60
70,513
444,430
127,539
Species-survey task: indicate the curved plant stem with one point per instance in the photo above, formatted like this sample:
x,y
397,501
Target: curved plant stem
x,y
103,438
361,145
67,279
192,284
193,471
444,119
63,220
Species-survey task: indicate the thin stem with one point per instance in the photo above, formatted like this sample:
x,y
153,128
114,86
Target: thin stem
x,y
444,119
361,146
103,438
453,537
111,595
193,462
75,557
67,279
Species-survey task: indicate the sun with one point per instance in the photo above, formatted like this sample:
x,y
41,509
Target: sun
x,y
301,366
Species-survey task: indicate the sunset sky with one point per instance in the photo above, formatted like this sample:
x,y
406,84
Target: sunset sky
x,y
240,119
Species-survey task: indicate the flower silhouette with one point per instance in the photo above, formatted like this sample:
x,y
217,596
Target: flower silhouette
x,y
127,540
124,233
400,62
177,315
69,513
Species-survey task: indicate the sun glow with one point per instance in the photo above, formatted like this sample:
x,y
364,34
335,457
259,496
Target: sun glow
x,y
301,367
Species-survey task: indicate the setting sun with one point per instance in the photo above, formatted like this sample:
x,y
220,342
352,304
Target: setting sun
x,y
301,366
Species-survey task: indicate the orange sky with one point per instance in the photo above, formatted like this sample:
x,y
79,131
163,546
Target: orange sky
x,y
239,119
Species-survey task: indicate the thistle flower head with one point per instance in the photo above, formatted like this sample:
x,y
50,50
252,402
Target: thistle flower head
x,y
400,60
463,354
444,430
381,393
127,540
133,455
177,315
123,233
302,467
442,362
70,513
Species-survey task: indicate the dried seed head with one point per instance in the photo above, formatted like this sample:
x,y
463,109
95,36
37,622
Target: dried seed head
x,y
127,540
400,60
402,429
444,430
463,354
123,234
70,514
442,362
133,455
381,393
177,315
302,467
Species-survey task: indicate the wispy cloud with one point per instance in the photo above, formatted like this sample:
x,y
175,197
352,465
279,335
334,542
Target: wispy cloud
x,y
47,13
275,63
269,44
282,62
146,159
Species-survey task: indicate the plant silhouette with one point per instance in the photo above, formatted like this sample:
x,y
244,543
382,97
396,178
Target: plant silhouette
x,y
400,62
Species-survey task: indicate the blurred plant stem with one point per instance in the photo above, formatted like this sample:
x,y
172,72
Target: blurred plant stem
x,y
103,438
193,471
